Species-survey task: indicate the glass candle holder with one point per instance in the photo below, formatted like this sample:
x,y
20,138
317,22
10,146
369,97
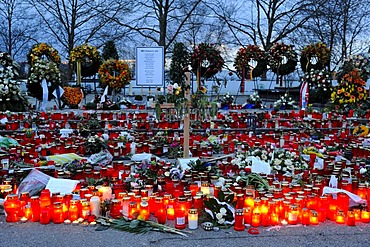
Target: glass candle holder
x,y
340,217
239,220
193,219
256,220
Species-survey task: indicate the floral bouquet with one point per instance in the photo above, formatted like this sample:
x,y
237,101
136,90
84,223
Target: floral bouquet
x,y
350,93
253,102
284,103
95,144
221,210
284,161
226,100
319,82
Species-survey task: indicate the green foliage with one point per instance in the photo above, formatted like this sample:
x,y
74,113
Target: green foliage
x,y
179,64
110,51
255,180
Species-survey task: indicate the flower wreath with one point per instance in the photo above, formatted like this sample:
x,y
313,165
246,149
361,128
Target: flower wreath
x,y
245,55
208,59
72,96
276,55
39,50
114,73
47,70
89,57
318,50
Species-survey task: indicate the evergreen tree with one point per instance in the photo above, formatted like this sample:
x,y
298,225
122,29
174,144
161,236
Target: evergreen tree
x,y
179,64
110,51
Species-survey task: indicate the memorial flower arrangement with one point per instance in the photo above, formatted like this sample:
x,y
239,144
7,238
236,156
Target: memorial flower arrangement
x,y
221,210
227,100
350,92
282,58
72,96
39,50
115,74
245,55
315,57
319,79
95,144
207,59
9,88
284,103
88,56
40,70
284,161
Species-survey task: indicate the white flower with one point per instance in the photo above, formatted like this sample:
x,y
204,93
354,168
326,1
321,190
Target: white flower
x,y
221,221
219,216
277,168
263,157
223,211
363,170
288,162
277,162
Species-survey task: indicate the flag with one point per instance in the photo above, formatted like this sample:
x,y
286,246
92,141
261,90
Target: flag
x,y
304,93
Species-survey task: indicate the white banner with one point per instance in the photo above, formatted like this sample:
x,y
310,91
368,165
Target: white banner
x,y
149,66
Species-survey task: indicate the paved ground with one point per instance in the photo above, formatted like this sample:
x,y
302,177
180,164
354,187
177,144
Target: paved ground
x,y
326,234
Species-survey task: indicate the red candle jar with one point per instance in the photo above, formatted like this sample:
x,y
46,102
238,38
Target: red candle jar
x,y
35,206
171,209
45,200
305,216
144,210
180,221
132,209
45,215
256,220
274,219
293,215
247,215
73,210
85,209
351,218
239,220
249,201
58,216
340,217
365,216
12,207
115,209
314,218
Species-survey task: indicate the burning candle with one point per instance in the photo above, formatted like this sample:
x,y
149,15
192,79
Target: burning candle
x,y
193,219
58,217
314,219
132,209
45,215
247,215
205,188
144,210
249,201
274,219
85,209
256,220
73,210
365,216
105,192
293,215
12,207
340,218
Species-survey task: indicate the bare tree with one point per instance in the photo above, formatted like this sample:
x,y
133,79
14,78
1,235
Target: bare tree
x,y
158,21
15,28
263,22
72,22
342,25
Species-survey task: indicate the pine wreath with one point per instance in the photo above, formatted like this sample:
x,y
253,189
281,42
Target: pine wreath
x,y
47,70
208,59
39,50
247,54
276,55
89,57
318,51
114,73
